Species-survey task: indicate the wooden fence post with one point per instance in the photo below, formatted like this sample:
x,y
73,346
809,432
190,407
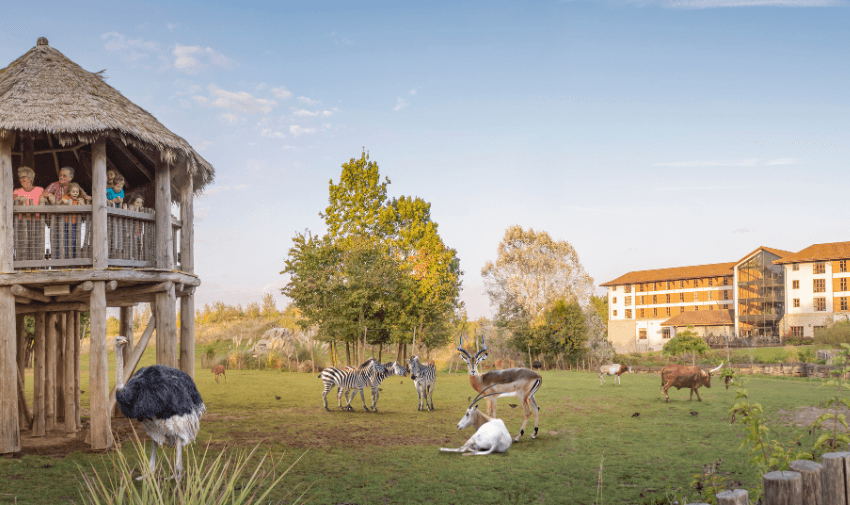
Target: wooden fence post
x,y
783,488
833,477
812,480
736,497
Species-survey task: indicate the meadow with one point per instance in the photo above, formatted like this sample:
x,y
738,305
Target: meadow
x,y
591,448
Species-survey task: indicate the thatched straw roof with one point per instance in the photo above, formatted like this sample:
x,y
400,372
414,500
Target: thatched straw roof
x,y
44,91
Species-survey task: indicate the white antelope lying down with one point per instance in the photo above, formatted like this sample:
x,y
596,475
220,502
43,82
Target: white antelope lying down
x,y
491,434
614,369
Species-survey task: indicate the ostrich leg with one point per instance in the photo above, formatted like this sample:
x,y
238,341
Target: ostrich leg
x,y
152,462
178,467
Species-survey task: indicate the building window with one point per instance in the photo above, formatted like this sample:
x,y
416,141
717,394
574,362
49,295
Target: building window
x,y
642,334
615,312
795,267
665,332
628,313
628,300
727,280
654,312
627,288
696,307
710,282
842,266
820,285
710,297
681,284
796,302
641,314
654,299
726,294
842,284
681,297
681,310
796,331
640,288
615,299
613,288
668,298
696,283
640,300
795,284
820,304
843,303
820,267
668,311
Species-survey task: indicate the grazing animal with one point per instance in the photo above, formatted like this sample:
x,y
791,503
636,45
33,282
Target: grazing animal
x,y
391,369
424,377
349,378
680,376
166,402
614,369
519,382
491,434
219,371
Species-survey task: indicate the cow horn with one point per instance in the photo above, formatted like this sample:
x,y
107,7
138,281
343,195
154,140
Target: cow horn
x,y
461,349
716,369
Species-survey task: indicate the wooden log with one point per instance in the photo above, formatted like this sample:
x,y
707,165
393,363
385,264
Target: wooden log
x,y
132,157
812,480
39,425
10,436
80,291
22,401
834,485
32,309
164,260
7,237
50,373
140,290
101,432
111,285
75,276
125,329
187,335
60,368
783,488
187,228
166,328
70,372
100,254
77,368
133,360
19,290
23,422
18,299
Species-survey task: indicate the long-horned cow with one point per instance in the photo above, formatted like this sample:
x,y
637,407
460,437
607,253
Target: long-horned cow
x,y
680,376
614,369
519,382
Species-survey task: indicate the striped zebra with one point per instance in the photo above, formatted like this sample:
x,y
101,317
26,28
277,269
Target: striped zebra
x,y
424,377
393,368
349,378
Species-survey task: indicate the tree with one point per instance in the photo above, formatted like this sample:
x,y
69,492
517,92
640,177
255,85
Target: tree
x,y
598,349
600,306
686,342
269,308
356,203
531,272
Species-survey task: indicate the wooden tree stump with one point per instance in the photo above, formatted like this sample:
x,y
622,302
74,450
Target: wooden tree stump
x,y
783,488
833,480
735,497
812,480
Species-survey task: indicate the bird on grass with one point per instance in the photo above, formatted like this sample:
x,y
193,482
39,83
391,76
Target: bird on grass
x,y
166,402
693,413
636,414
276,397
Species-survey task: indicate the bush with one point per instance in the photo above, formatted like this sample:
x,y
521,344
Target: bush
x,y
834,335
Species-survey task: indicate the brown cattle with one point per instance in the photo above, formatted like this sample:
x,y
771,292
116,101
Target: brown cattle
x,y
219,371
680,376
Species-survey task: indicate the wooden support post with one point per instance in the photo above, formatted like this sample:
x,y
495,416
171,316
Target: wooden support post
x,y
39,370
187,264
736,497
22,400
77,368
101,431
812,480
23,423
125,329
60,367
70,371
50,372
166,318
834,477
166,331
10,435
783,488
100,255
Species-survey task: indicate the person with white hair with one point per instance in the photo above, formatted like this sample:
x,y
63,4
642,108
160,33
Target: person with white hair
x,y
29,233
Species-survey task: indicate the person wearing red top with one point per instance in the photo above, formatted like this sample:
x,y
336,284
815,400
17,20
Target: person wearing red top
x,y
29,230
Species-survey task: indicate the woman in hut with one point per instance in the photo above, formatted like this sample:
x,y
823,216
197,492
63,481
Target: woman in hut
x,y
53,194
29,230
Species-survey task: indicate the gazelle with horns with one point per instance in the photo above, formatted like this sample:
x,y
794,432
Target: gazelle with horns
x,y
490,436
519,382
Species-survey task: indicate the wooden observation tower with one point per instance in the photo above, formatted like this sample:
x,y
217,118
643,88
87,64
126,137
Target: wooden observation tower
x,y
58,261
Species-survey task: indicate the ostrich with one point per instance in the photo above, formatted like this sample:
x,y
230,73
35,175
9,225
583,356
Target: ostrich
x,y
166,402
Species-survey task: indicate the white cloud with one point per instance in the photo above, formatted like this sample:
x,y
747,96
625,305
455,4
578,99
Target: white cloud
x,y
202,145
172,26
296,130
743,230
241,101
308,101
750,162
231,118
711,4
133,49
193,59
307,113
400,104
200,99
281,93
270,133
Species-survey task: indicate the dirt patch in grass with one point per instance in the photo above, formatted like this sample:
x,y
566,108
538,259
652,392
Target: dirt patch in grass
x,y
57,444
803,417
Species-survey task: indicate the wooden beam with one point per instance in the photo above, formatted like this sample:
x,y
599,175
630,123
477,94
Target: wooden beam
x,y
22,300
140,290
57,290
132,157
111,285
69,375
121,275
100,254
80,290
101,432
187,334
10,435
22,400
166,330
77,367
19,290
39,372
23,415
164,236
61,307
133,360
50,372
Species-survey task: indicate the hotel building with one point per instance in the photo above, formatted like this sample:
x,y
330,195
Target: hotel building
x,y
765,296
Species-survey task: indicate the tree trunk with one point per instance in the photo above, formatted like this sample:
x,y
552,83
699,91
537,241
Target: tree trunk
x,y
380,350
348,353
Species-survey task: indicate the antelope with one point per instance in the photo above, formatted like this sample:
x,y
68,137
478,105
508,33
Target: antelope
x,y
490,436
519,382
218,371
614,369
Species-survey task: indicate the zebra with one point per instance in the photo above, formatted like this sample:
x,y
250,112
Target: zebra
x,y
349,378
424,377
392,368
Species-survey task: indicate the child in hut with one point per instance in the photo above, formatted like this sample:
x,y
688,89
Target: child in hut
x,y
115,193
73,196
137,203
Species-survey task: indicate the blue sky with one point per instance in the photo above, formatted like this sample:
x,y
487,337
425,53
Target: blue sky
x,y
648,134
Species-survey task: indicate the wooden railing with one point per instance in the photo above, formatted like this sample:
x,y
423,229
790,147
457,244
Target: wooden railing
x,y
60,236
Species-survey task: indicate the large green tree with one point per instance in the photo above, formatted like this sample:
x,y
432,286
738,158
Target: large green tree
x,y
686,342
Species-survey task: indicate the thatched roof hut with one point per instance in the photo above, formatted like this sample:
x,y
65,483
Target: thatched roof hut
x,y
45,92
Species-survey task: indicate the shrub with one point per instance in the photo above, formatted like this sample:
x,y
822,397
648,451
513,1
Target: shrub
x,y
834,334
792,355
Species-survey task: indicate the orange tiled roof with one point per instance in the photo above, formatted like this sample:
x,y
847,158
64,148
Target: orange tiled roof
x,y
818,252
701,318
674,274
778,252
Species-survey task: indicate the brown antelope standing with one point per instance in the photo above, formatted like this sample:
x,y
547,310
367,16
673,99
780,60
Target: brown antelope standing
x,y
519,382
219,371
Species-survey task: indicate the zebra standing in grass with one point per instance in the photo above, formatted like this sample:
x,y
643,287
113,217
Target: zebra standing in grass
x,y
392,368
424,377
349,378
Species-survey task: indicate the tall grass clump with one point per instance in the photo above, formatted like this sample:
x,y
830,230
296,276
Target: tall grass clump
x,y
208,479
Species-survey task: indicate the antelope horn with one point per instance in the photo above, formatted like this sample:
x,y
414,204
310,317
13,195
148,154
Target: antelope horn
x,y
480,397
461,349
716,369
483,347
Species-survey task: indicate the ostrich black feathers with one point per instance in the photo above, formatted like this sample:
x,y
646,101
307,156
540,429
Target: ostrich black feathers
x,y
159,392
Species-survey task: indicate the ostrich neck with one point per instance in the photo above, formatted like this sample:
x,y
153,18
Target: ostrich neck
x,y
119,367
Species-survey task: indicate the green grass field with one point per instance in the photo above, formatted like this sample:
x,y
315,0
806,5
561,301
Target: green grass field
x,y
393,457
